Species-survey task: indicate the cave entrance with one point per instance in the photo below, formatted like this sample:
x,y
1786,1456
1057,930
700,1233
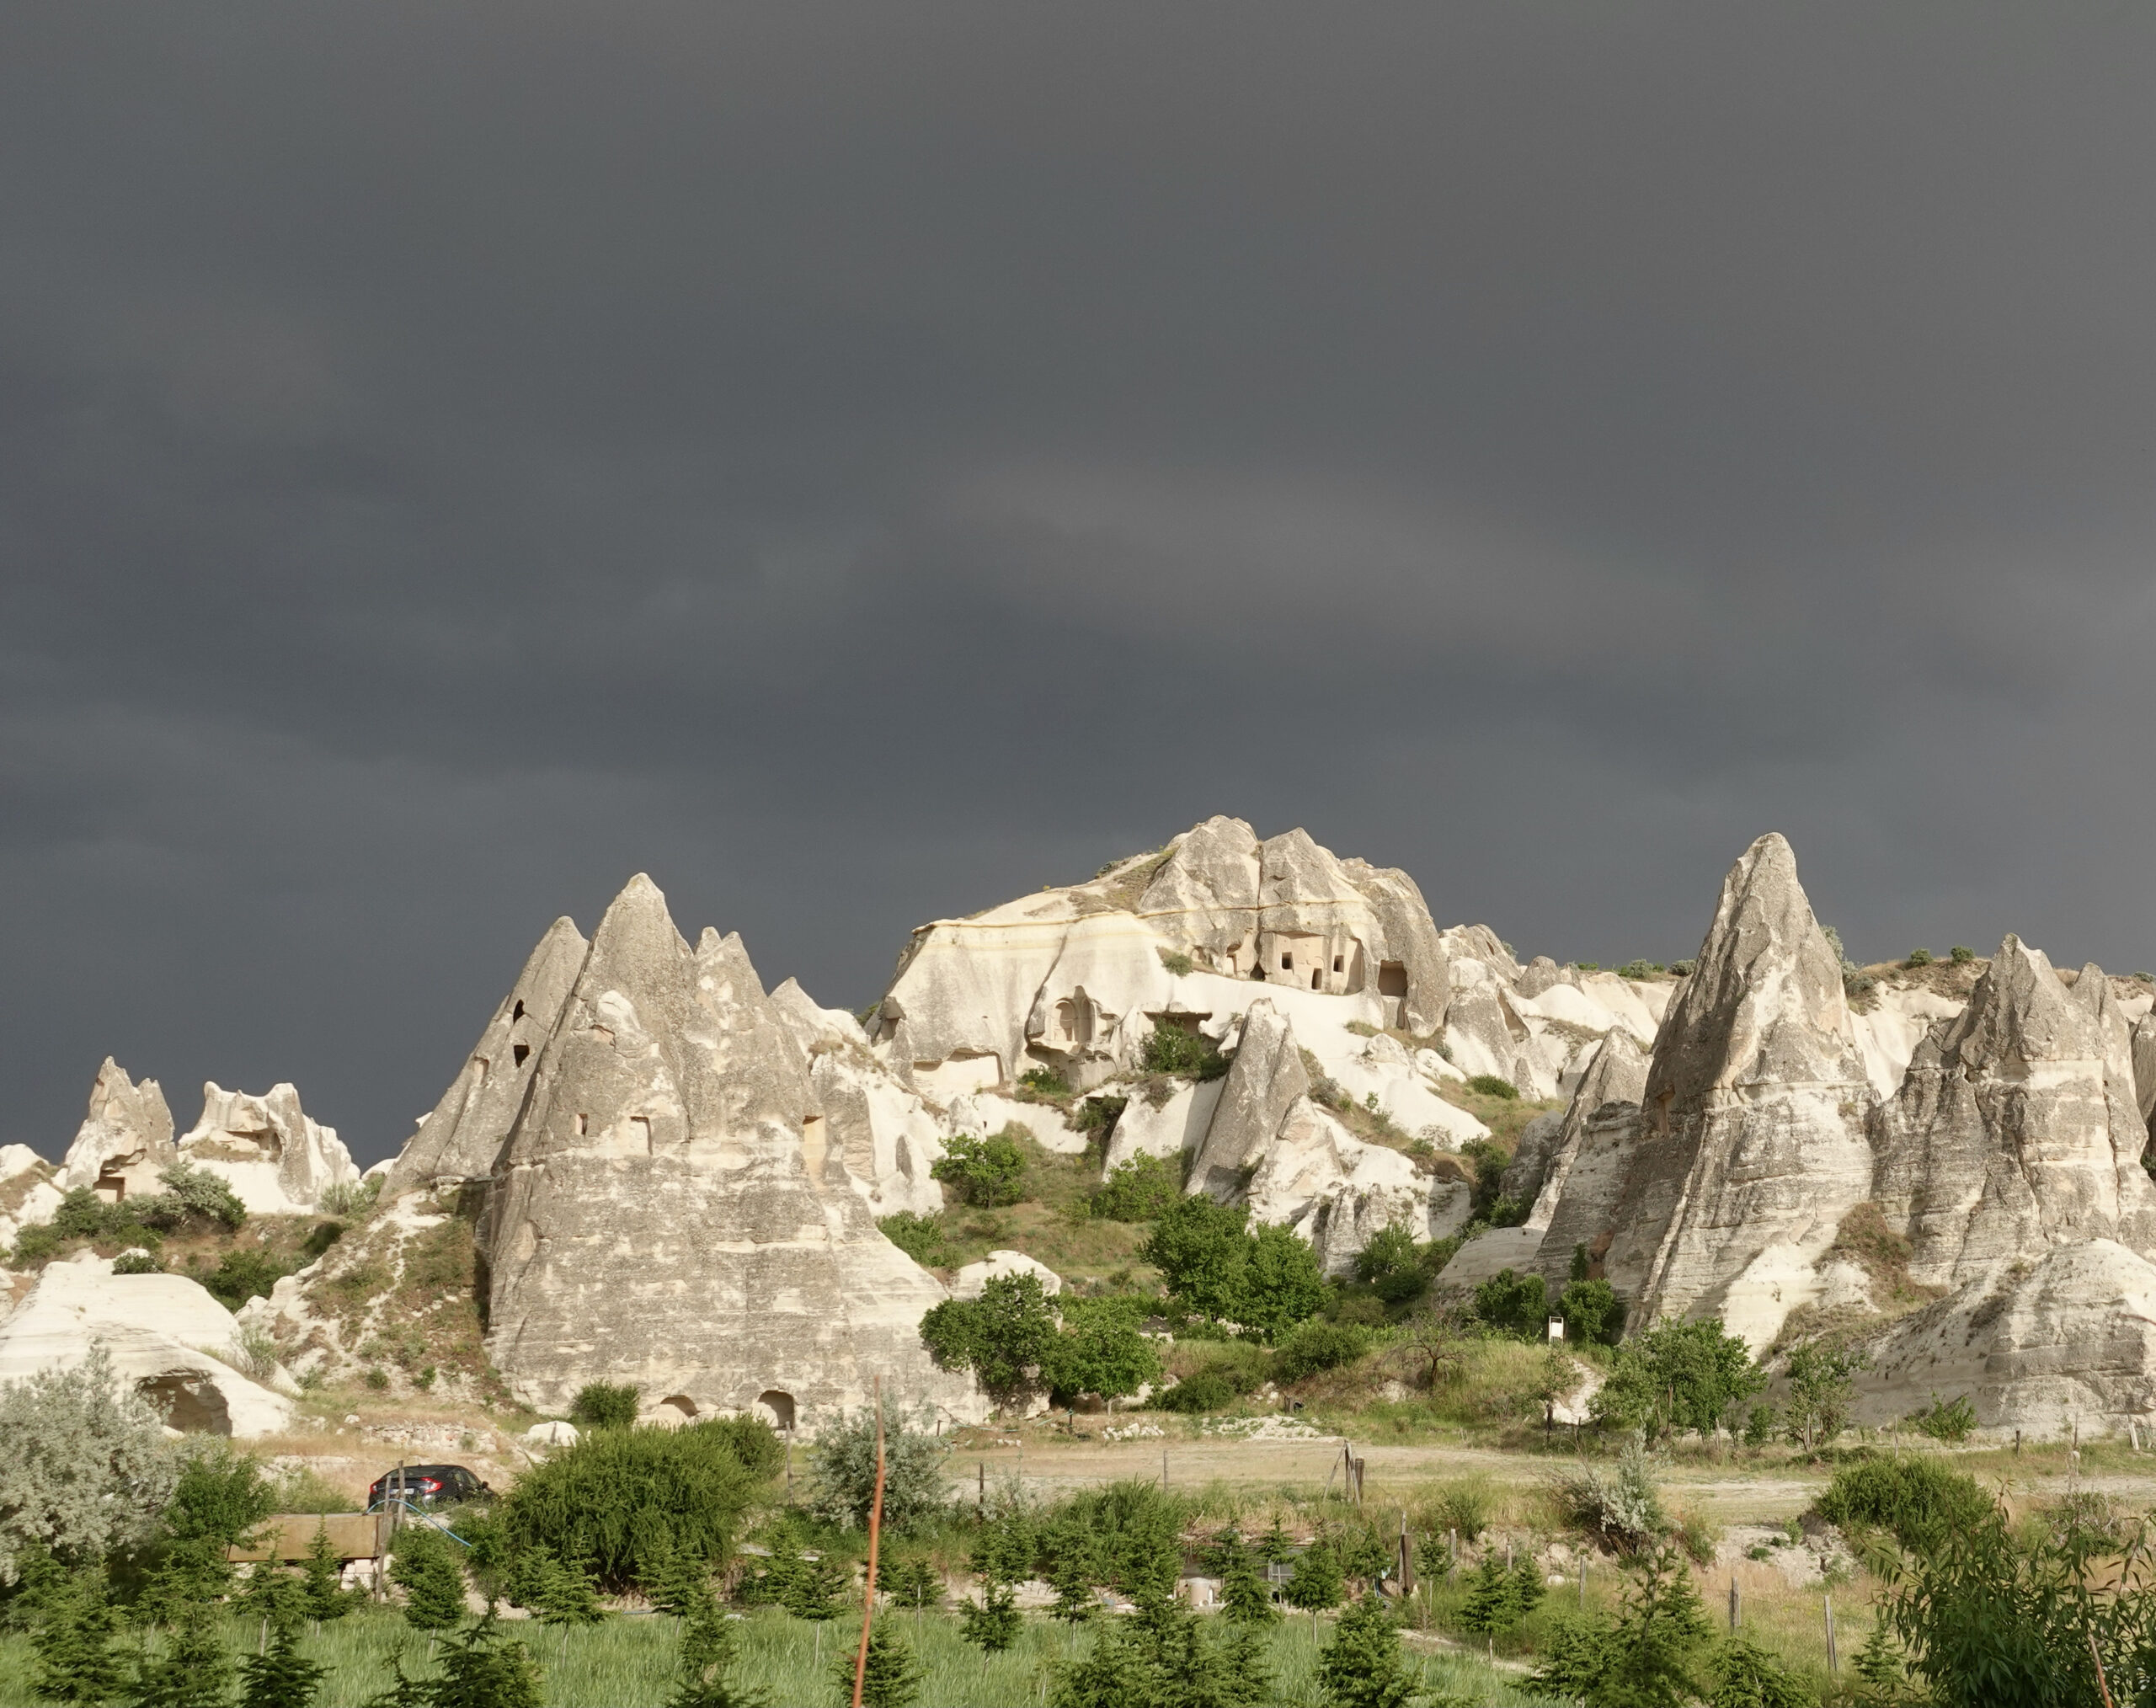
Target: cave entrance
x,y
774,1405
190,1401
677,1409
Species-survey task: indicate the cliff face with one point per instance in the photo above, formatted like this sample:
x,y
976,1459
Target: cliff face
x,y
670,1211
1752,1144
2017,1128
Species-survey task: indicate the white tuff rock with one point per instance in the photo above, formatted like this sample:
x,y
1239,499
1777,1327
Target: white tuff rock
x,y
276,1160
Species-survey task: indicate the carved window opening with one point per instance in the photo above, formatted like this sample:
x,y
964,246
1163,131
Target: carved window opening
x,y
518,1052
1339,964
583,1126
1317,978
517,1012
1287,964
1392,979
640,1133
774,1405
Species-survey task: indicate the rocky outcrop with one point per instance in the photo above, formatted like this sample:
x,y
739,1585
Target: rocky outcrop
x,y
1267,1079
888,1136
461,1138
2067,1340
2017,1128
1591,1154
1753,1143
1532,1155
126,1140
672,1212
276,1160
2144,1069
973,1279
28,1192
167,1337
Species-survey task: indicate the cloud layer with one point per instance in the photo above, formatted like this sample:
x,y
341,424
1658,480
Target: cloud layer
x,y
858,462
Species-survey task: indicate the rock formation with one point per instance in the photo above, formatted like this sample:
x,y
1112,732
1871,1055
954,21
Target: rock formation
x,y
461,1138
2144,1069
2017,1127
671,1212
125,1140
28,1193
276,1160
168,1337
1752,1142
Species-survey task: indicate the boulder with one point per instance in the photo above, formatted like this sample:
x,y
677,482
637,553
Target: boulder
x,y
970,1280
1173,1128
1266,1080
2017,1128
276,1161
551,1434
1486,1255
1752,1138
126,1140
28,1194
673,1212
1537,1147
167,1337
463,1136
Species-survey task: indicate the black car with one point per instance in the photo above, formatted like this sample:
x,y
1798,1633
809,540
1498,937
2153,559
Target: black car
x,y
428,1486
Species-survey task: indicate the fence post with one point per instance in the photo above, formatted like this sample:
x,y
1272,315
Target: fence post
x,y
1736,1605
1833,1660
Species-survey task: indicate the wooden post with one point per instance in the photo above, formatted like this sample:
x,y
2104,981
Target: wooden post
x,y
1736,1605
875,1526
1406,1556
1164,1471
1452,1556
981,1490
1833,1660
1582,1580
1361,1465
2017,1441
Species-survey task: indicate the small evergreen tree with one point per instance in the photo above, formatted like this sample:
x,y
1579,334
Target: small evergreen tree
x,y
196,1670
1244,1598
431,1577
1879,1667
77,1658
1363,1666
1661,1624
993,1622
561,1594
892,1677
815,1587
279,1677
322,1580
481,1668
707,1657
1746,1676
682,1586
1527,1586
1273,1547
1317,1583
1492,1605
913,1582
1075,1600
1243,1676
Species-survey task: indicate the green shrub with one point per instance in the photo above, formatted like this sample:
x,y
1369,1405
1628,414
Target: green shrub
x,y
1946,1420
1216,1266
1915,1498
1001,1336
1620,1507
1394,1265
350,1198
190,1195
1639,969
1490,1085
1101,1350
1513,1304
242,1275
842,1473
1593,1314
1961,955
1189,1054
1044,1082
1096,1115
605,1406
1136,1190
136,1264
426,1569
1678,1375
1918,958
1318,1346
1208,1390
1464,1507
1684,969
983,1172
622,1503
920,1237
1176,962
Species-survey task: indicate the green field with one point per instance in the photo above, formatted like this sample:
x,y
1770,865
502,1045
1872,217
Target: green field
x,y
628,1662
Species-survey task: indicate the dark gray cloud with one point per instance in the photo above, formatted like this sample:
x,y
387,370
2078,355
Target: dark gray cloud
x,y
859,461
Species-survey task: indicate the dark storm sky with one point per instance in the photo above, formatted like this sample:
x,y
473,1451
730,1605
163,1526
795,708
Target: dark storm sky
x,y
857,462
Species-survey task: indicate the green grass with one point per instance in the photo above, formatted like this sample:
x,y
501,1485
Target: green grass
x,y
628,1662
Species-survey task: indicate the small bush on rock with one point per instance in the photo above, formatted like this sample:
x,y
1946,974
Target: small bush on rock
x,y
920,1237
1189,1054
1490,1085
1946,1420
1136,1190
985,1173
1962,954
604,1405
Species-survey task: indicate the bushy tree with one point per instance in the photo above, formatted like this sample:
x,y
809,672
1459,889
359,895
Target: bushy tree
x,y
1282,1283
191,1194
1203,1251
553,1592
1513,1304
985,1173
1394,1264
605,1406
194,1671
1171,1050
1363,1666
430,1576
891,1679
620,1503
842,1472
1821,1386
1318,1345
1136,1190
1593,1314
1678,1376
1100,1350
993,1622
1001,1336
87,1468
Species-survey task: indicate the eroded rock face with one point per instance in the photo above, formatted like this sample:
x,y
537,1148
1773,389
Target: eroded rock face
x,y
673,1212
2066,1341
461,1138
277,1160
125,1140
2144,1069
162,1332
2017,1128
1753,1143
